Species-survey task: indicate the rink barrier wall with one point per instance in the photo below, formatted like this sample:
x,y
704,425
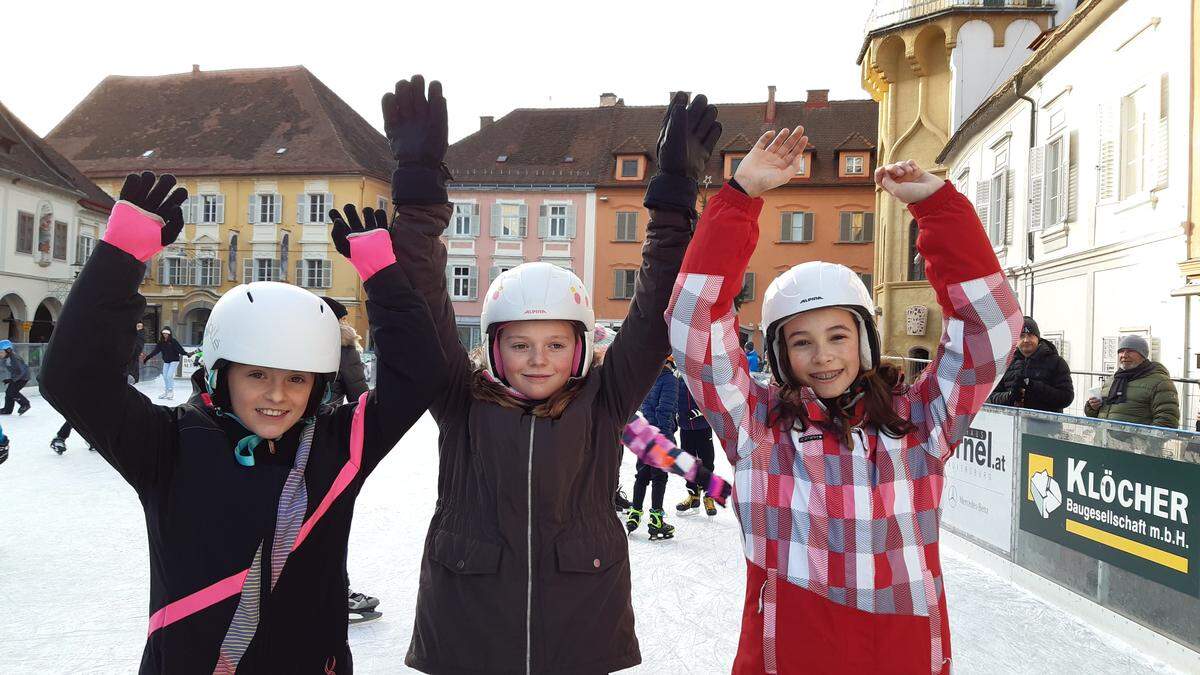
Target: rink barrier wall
x,y
1169,612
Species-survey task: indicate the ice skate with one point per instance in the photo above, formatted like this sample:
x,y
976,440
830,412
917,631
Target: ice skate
x,y
690,502
633,519
658,526
620,501
710,506
360,601
58,445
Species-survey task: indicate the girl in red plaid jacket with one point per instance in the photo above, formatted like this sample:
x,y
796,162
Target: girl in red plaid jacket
x,y
839,465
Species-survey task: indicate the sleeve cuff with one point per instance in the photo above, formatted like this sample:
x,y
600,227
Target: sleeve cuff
x,y
934,202
734,196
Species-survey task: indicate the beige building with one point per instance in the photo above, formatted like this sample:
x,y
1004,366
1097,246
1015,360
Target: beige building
x,y
265,153
929,65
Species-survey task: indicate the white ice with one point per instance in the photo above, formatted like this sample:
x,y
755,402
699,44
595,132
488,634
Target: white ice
x,y
74,574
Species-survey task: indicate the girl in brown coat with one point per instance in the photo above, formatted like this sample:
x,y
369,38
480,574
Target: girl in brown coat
x,y
526,566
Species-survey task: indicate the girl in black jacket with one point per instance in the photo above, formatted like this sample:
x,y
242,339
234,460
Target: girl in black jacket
x,y
247,490
171,352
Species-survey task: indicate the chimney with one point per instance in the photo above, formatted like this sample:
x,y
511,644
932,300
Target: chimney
x,y
195,68
817,98
485,121
608,100
769,118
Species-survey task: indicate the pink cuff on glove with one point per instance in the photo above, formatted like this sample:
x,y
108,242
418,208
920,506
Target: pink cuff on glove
x,y
371,251
134,230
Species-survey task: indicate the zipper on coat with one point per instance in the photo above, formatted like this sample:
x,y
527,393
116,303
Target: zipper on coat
x,y
529,555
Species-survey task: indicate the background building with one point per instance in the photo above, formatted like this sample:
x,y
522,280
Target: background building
x,y
265,153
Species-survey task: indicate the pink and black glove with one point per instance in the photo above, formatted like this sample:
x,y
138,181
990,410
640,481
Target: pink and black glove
x,y
147,217
368,247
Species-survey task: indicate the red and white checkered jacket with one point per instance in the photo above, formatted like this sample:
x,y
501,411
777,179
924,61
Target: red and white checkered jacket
x,y
843,572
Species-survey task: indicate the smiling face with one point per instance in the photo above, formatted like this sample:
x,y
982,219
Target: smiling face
x,y
269,401
823,350
537,356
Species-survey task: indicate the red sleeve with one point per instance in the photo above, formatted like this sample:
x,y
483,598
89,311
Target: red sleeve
x,y
724,241
953,242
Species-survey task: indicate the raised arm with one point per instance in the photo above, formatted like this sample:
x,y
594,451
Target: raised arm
x,y
704,328
411,366
686,141
981,318
416,129
83,374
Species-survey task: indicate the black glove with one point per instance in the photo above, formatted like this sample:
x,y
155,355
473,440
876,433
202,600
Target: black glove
x,y
689,133
417,130
344,227
142,191
6,381
1001,398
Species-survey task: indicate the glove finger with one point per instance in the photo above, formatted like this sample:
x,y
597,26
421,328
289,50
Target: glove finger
x,y
437,110
404,102
711,137
173,217
697,110
352,218
381,219
340,231
368,216
420,103
390,111
702,118
175,199
160,191
130,187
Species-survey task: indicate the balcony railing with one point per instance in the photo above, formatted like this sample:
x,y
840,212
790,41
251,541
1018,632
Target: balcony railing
x,y
895,12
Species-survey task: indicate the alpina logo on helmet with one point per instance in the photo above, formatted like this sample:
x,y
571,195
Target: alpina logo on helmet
x,y
536,311
815,297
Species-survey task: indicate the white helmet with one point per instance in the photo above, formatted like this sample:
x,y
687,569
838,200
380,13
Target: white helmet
x,y
273,325
815,285
538,291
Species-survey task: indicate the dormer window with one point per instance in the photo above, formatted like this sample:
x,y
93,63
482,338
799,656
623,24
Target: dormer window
x,y
732,161
630,167
502,158
854,165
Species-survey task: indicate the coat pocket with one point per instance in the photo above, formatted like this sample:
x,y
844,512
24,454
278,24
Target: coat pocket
x,y
463,555
590,555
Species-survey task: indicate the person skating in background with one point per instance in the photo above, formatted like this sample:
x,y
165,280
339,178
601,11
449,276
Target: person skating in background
x,y
171,352
1037,378
135,354
1141,390
660,408
248,489
695,437
350,383
839,464
17,378
751,355
3,445
524,567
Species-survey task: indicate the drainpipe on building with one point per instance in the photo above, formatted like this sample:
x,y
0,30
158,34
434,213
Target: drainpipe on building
x,y
1028,233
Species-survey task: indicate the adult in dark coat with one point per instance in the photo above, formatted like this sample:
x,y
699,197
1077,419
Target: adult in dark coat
x,y
1037,377
172,352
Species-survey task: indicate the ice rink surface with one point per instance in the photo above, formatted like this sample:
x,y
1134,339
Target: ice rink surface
x,y
74,575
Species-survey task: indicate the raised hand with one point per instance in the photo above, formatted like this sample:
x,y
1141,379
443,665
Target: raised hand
x,y
907,182
366,243
416,129
774,160
147,216
688,135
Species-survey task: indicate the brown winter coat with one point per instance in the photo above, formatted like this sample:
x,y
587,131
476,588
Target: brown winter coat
x,y
526,565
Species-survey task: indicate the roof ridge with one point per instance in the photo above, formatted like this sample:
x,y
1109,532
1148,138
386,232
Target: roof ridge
x,y
226,71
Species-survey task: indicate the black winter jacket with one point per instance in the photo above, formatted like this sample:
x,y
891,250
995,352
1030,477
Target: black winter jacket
x,y
526,566
1041,381
205,513
170,349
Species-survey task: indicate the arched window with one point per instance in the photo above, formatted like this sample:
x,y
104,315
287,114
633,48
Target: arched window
x,y
916,265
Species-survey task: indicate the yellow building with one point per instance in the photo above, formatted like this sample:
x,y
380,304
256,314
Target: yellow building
x,y
264,154
929,65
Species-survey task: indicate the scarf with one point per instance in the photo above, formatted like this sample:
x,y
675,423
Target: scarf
x,y
1118,391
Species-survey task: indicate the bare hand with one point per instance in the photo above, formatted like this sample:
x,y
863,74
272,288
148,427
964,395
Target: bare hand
x,y
907,182
774,160
1093,402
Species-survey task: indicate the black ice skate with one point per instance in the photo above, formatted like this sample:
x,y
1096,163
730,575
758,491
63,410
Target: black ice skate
x,y
659,528
361,601
3,450
690,502
620,501
633,519
58,445
23,409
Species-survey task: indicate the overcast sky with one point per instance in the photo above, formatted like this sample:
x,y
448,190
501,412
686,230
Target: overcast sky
x,y
492,57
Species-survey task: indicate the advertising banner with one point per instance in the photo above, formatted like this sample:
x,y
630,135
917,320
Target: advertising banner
x,y
977,499
1133,511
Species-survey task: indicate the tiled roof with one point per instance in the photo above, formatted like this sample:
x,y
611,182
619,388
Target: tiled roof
x,y
536,142
22,153
230,122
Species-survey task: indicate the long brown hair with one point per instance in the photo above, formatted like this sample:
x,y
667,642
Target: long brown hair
x,y
875,388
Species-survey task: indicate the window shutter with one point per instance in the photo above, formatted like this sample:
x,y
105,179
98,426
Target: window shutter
x,y
474,220
983,192
189,210
524,221
846,221
1106,179
494,226
473,282
1037,170
571,221
252,211
301,277
1162,146
1007,221
810,220
1071,175
785,226
617,283
326,274
748,286
190,272
247,270
302,209
493,273
868,226
161,275
543,221
220,209
328,205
